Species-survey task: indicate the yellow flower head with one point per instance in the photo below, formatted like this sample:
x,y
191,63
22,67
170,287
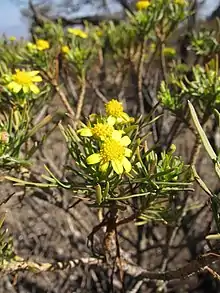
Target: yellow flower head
x,y
115,113
12,38
78,32
42,45
114,108
180,2
113,152
65,49
24,80
99,33
141,5
102,131
99,131
169,51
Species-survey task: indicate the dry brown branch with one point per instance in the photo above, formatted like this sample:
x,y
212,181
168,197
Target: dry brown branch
x,y
200,264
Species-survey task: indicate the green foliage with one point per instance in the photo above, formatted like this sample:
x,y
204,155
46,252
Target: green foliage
x,y
6,244
204,42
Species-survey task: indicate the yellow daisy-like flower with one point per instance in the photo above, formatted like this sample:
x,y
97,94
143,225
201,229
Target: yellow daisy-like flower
x,y
24,80
99,131
115,113
42,45
78,32
141,5
113,152
65,49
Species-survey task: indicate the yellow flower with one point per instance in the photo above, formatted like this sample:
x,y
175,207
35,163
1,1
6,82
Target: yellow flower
x,y
12,38
65,49
24,80
169,51
42,45
99,33
113,152
152,47
78,32
141,5
115,113
99,130
180,2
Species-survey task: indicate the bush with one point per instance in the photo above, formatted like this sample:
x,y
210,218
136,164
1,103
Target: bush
x,y
106,123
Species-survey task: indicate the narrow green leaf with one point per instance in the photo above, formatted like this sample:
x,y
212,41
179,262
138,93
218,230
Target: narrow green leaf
x,y
57,180
204,139
98,193
22,182
201,182
42,123
213,236
201,132
217,116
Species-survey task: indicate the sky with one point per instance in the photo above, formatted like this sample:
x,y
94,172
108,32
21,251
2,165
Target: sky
x,y
12,23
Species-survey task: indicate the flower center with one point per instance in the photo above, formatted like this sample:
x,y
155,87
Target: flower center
x,y
114,108
22,78
101,130
112,150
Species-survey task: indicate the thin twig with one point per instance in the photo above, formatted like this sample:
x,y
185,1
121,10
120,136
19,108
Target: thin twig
x,y
81,100
202,263
47,76
65,101
140,75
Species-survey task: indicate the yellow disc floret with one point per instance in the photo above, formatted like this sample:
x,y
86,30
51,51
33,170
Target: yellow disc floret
x,y
102,131
112,150
114,108
22,77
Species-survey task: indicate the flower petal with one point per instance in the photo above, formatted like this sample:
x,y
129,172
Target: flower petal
x,y
126,164
37,78
125,141
116,135
33,73
25,88
11,85
15,87
93,159
103,167
85,131
117,166
125,116
111,120
128,152
34,88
